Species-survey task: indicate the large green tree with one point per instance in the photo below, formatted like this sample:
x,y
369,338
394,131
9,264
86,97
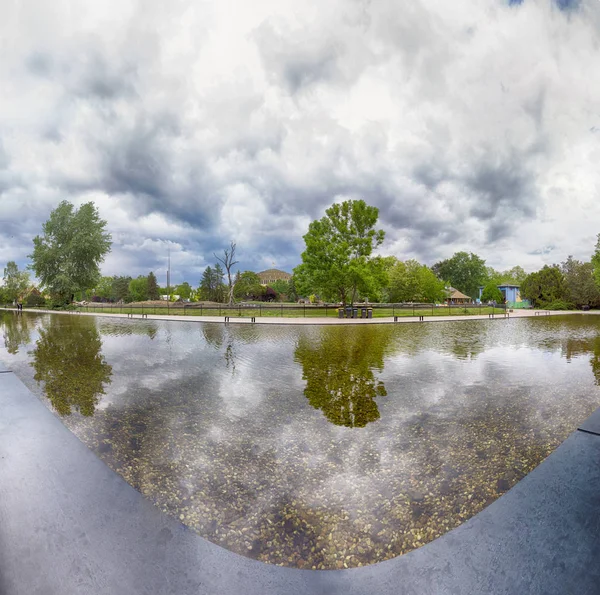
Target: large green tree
x,y
466,272
247,285
66,258
491,293
545,286
120,289
411,281
514,276
184,290
581,288
138,289
211,285
338,261
15,282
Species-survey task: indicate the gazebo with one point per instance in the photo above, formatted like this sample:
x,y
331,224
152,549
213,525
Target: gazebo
x,y
456,297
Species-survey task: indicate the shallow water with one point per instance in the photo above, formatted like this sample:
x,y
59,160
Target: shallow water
x,y
308,446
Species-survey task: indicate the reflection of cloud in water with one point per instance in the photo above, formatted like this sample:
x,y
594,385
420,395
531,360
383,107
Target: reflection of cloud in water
x,y
214,427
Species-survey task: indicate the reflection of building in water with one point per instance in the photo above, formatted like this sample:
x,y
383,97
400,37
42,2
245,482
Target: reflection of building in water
x,y
67,358
123,328
339,369
16,330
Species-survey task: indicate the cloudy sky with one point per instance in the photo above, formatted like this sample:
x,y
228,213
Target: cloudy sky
x,y
472,125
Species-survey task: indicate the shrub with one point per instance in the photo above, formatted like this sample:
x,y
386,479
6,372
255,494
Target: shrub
x,y
558,305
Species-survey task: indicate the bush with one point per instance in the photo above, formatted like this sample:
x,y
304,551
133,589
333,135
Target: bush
x,y
558,305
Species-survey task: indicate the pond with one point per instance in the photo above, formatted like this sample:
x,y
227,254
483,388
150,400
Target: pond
x,y
310,446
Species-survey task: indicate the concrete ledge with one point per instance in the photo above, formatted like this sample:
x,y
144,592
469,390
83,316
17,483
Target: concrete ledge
x,y
71,526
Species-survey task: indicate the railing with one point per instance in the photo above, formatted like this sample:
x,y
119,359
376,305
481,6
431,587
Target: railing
x,y
285,310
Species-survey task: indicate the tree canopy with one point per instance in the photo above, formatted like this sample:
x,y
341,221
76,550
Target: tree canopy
x,y
412,281
491,293
337,261
466,272
544,286
15,281
580,285
66,258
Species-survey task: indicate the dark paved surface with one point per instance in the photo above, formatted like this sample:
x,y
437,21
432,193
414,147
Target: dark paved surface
x,y
70,526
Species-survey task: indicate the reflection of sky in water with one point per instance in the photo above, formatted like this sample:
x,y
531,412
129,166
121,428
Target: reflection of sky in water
x,y
257,438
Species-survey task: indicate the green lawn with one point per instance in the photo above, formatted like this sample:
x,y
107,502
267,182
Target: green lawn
x,y
288,311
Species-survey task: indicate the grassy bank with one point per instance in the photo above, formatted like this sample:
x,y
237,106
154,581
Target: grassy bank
x,y
283,310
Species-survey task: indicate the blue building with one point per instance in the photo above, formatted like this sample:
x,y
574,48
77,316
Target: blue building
x,y
511,295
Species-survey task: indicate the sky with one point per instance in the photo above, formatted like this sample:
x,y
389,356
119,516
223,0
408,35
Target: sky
x,y
472,125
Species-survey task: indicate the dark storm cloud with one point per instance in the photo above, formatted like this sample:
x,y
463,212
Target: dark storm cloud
x,y
293,62
501,185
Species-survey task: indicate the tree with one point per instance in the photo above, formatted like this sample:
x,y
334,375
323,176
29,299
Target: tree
x,y
466,272
138,289
544,286
596,262
67,258
514,276
337,261
104,289
184,291
120,289
228,262
292,291
281,287
247,285
211,284
411,281
491,293
152,287
15,282
581,288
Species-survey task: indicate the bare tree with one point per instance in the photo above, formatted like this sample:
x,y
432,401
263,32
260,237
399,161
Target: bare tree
x,y
228,262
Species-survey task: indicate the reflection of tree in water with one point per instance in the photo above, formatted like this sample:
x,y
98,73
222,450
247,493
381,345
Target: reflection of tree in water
x,y
125,328
339,372
16,331
68,360
467,340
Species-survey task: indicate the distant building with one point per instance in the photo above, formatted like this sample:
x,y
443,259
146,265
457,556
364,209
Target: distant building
x,y
456,297
271,275
511,295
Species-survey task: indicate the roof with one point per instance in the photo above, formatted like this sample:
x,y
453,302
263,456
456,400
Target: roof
x,y
455,294
273,275
502,285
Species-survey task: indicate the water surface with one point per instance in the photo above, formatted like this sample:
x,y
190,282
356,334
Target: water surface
x,y
318,447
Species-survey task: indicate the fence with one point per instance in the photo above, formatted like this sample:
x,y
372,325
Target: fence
x,y
286,310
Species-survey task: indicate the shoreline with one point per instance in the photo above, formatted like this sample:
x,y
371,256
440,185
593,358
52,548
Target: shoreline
x,y
316,320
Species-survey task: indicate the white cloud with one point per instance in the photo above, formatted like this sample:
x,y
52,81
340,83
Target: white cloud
x,y
470,125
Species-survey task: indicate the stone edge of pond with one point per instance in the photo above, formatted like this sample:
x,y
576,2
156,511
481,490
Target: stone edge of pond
x,y
69,526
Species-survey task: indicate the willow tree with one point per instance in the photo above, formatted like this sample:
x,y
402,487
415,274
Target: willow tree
x,y
338,261
67,257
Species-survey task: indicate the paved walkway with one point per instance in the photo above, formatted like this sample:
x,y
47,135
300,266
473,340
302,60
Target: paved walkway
x,y
234,319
